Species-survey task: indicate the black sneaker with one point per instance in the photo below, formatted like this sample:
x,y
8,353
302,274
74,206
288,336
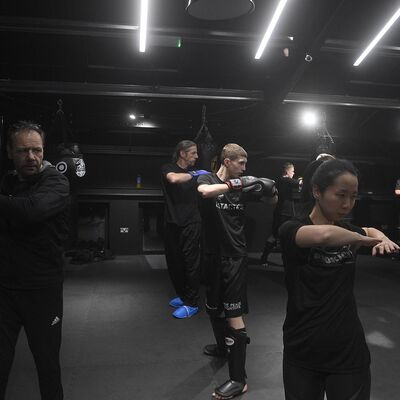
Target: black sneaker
x,y
214,351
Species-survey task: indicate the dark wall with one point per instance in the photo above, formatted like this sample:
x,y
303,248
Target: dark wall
x,y
124,214
375,177
3,153
120,171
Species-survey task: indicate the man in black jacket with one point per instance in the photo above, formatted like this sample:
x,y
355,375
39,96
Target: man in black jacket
x,y
34,203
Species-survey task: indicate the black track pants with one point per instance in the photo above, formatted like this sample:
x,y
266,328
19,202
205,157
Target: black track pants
x,y
40,313
305,384
182,252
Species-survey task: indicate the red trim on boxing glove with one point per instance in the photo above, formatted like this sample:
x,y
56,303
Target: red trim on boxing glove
x,y
234,184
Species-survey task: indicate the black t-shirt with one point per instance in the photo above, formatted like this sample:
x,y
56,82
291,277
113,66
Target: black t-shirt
x,y
223,221
181,206
322,329
286,186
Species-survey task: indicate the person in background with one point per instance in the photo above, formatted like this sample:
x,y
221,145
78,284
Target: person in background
x,y
224,196
285,209
397,188
182,228
325,352
34,206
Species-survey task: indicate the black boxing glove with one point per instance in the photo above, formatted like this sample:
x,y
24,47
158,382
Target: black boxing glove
x,y
262,188
242,182
268,187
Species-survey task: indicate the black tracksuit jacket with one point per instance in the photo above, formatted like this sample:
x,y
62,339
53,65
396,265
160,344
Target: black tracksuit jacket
x,y
33,227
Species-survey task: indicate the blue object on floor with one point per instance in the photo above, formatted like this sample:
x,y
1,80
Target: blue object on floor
x,y
176,302
185,312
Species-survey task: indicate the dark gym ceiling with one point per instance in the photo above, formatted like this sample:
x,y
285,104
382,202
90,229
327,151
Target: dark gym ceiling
x,y
86,53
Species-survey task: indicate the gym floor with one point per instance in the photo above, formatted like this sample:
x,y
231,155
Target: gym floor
x,y
120,341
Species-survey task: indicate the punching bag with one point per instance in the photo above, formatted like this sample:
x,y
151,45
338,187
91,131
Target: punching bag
x,y
70,161
206,147
67,158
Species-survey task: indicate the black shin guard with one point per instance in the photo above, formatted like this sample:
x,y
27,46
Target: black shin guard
x,y
237,340
219,328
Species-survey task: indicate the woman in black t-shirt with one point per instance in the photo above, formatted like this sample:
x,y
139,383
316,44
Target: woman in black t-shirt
x,y
324,344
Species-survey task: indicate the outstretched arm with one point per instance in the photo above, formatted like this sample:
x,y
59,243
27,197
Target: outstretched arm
x,y
256,187
384,246
332,236
210,191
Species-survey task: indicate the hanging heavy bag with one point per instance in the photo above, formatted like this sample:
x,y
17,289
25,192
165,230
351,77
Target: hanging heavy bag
x,y
206,147
70,161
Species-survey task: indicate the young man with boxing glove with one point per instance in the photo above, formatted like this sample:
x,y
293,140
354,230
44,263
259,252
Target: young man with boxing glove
x,y
182,227
224,196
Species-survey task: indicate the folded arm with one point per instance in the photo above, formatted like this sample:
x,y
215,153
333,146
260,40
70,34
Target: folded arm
x,y
46,201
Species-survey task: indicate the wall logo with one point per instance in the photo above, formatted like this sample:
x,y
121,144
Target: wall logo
x,y
80,167
62,167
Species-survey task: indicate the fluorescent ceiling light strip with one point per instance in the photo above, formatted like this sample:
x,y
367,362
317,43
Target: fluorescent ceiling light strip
x,y
270,28
377,38
143,25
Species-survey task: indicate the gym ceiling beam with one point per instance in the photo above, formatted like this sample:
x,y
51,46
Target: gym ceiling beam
x,y
341,100
93,29
121,90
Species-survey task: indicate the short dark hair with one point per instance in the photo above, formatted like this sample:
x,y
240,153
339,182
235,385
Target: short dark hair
x,y
328,171
182,145
23,126
323,174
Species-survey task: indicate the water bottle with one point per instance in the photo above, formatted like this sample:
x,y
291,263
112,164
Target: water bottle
x,y
138,181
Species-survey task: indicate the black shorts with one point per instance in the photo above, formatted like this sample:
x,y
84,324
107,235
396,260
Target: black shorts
x,y
226,280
